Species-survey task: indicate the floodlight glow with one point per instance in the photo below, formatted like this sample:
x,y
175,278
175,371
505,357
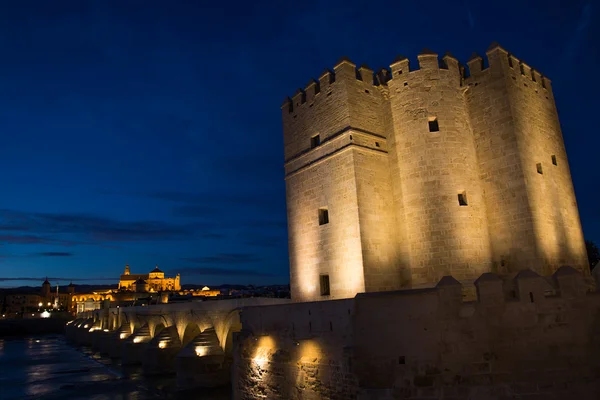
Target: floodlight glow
x,y
201,351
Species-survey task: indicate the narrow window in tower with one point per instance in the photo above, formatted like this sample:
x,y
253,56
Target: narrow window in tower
x,y
323,216
554,160
510,64
324,282
376,144
462,199
315,141
522,69
539,168
433,124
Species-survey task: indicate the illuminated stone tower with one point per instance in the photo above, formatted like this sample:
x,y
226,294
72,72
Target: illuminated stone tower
x,y
396,179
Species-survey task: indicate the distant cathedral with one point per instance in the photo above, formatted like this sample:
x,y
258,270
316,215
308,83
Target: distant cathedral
x,y
155,281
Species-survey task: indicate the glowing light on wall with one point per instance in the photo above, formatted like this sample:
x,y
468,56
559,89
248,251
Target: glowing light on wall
x,y
201,351
122,336
162,344
85,326
45,314
137,339
263,350
310,349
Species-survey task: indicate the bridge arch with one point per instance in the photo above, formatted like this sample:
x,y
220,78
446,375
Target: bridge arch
x,y
225,329
191,330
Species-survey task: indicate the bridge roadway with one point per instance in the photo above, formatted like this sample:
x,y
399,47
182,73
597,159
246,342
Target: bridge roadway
x,y
193,339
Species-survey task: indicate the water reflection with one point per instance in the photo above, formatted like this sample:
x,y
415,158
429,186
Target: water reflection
x,y
48,368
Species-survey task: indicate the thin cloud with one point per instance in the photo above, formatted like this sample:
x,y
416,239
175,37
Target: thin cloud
x,y
30,279
579,32
54,254
32,239
95,228
224,259
223,272
471,18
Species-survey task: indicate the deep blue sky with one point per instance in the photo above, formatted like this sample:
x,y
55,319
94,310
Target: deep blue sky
x,y
149,132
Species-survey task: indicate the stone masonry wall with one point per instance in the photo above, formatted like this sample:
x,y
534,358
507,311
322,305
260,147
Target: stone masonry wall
x,y
391,184
434,168
334,248
542,343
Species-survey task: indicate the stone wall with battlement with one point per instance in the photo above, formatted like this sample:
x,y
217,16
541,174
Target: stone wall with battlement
x,y
424,173
527,337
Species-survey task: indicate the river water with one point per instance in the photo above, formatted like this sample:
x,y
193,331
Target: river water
x,y
47,368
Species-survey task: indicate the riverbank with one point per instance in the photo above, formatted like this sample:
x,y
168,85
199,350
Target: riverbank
x,y
13,328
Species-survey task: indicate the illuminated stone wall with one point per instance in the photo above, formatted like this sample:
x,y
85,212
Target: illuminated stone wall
x,y
533,216
543,341
434,168
391,180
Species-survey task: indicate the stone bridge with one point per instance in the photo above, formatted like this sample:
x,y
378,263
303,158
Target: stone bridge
x,y
193,340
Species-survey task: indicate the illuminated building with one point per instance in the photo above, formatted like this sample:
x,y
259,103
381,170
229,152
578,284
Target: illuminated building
x,y
155,280
398,178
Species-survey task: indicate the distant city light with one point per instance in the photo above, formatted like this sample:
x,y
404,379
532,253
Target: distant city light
x,y
45,314
40,304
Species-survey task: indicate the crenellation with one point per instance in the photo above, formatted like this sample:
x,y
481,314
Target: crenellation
x,y
428,60
513,62
366,74
400,66
312,88
453,66
475,65
345,69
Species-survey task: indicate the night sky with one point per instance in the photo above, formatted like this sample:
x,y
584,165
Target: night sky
x,y
149,132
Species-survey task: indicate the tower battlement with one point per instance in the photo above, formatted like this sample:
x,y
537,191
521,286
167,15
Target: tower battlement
x,y
497,57
397,177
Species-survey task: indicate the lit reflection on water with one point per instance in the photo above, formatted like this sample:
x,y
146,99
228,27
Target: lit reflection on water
x,y
47,368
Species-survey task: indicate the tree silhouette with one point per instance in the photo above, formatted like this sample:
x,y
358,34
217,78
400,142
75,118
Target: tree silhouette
x,y
593,253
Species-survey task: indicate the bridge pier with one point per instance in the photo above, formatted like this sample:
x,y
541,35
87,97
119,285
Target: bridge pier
x,y
116,340
82,335
104,341
159,356
132,349
202,363
97,338
71,329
